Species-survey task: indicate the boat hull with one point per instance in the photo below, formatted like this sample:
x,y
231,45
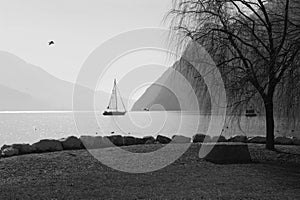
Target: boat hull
x,y
251,115
110,113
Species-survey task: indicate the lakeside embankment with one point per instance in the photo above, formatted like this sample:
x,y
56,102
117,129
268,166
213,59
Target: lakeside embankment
x,y
94,142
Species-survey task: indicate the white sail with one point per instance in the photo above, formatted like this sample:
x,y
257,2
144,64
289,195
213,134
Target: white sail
x,y
114,101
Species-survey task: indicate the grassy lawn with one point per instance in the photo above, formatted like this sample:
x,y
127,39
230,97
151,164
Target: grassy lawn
x,y
77,175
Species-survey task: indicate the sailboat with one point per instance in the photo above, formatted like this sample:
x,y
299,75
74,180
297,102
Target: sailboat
x,y
250,112
112,108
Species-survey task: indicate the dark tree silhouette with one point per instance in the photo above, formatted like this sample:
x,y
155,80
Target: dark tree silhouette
x,y
255,44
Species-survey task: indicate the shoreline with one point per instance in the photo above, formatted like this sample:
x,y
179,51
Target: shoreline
x,y
97,142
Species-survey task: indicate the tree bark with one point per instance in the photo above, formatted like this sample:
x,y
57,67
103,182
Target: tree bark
x,y
270,125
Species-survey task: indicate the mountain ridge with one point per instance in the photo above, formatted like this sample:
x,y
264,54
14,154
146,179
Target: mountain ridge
x,y
34,85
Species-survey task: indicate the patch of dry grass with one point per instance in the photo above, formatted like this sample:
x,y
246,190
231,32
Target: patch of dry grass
x,y
77,175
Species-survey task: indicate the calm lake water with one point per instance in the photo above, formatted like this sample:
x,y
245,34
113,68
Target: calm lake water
x,y
30,127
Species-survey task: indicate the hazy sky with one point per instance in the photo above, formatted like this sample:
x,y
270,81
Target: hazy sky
x,y
77,27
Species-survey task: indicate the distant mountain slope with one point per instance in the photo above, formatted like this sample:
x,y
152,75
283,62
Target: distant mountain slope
x,y
45,91
160,93
13,100
21,76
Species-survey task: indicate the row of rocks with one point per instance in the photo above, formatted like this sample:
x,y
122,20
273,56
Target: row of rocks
x,y
244,139
95,142
91,142
70,143
85,142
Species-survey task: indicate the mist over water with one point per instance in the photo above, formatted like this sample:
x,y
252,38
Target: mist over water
x,y
29,127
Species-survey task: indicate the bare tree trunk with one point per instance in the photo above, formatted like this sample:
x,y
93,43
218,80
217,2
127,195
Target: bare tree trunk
x,y
270,125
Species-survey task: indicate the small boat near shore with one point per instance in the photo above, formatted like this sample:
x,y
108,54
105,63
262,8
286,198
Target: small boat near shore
x,y
250,113
112,108
114,113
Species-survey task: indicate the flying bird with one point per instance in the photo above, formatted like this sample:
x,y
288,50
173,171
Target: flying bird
x,y
51,43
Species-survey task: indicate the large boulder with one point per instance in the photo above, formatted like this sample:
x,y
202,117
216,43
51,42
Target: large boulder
x,y
71,143
103,142
163,139
140,141
129,140
117,140
47,146
9,151
257,140
238,138
200,138
149,140
220,138
180,139
5,146
87,141
283,141
95,142
24,148
226,153
296,141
